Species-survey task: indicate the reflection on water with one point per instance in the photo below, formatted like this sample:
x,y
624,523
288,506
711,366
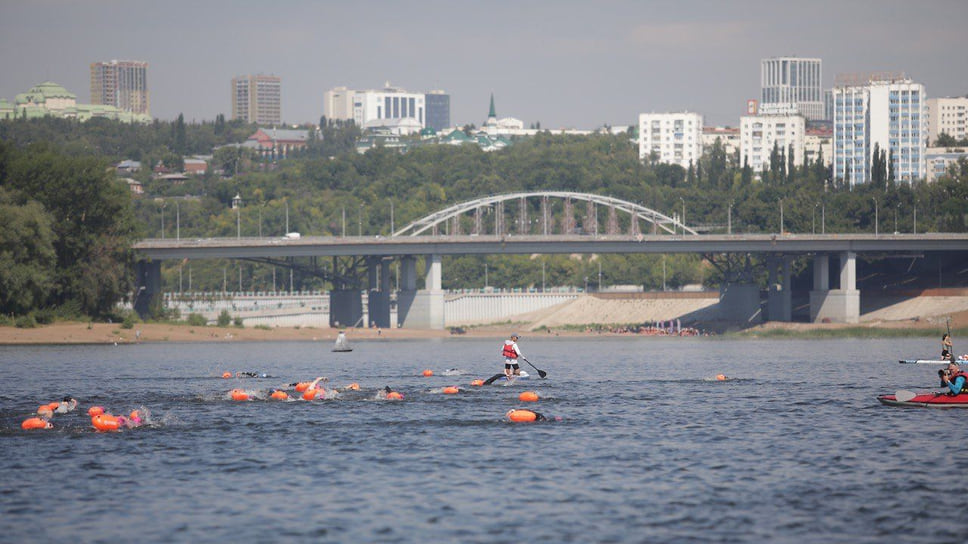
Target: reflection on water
x,y
651,447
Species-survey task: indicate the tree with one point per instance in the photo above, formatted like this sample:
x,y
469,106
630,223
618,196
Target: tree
x,y
27,256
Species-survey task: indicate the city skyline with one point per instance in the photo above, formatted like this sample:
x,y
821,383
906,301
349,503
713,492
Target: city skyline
x,y
561,64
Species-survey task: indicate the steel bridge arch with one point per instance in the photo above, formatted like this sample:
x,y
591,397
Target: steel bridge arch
x,y
658,219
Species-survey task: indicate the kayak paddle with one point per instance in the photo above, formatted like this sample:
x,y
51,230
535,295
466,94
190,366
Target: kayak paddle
x,y
904,396
541,373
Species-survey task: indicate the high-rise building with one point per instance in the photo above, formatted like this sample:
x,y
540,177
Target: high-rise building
x,y
761,134
878,110
257,99
674,138
438,110
792,80
122,84
947,116
338,104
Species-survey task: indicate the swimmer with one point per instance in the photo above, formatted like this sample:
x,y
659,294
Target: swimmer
x,y
521,415
69,404
251,375
389,394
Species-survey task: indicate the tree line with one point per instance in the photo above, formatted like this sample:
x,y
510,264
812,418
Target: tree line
x,y
59,167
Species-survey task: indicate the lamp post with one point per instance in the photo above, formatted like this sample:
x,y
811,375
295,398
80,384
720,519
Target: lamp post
x,y
823,218
359,231
485,275
875,215
813,219
915,217
729,218
287,217
542,275
344,222
392,229
780,200
683,214
163,204
237,204
177,222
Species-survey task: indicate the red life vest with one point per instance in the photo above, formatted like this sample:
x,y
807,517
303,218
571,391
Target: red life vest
x,y
508,352
964,386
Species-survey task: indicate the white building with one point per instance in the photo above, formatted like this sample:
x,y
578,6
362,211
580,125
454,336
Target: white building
x,y
728,137
674,138
793,80
940,159
388,103
759,133
948,116
816,144
882,110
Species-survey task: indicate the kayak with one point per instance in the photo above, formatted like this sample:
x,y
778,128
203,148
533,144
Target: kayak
x,y
926,400
923,362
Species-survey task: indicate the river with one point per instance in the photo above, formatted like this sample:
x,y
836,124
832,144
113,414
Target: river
x,y
649,447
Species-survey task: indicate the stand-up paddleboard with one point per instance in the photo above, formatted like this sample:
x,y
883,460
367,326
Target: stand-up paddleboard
x,y
925,400
923,362
504,379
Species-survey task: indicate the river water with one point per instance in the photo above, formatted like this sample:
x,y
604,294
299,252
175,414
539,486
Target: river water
x,y
649,446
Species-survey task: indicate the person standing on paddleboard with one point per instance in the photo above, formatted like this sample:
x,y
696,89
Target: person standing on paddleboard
x,y
511,352
946,347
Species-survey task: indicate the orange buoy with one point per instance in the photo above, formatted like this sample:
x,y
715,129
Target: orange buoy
x,y
311,394
427,373
522,416
238,394
353,386
721,377
528,396
53,406
302,386
279,395
393,395
135,415
226,374
105,422
44,410
35,423
477,382
451,390
95,411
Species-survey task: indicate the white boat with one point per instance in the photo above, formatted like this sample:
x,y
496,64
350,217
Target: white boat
x,y
342,344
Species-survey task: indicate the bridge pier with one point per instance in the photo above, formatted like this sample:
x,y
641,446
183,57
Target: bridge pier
x,y
345,308
420,309
779,303
147,288
740,302
378,297
836,305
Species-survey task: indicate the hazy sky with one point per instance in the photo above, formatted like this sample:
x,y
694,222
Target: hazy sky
x,y
558,62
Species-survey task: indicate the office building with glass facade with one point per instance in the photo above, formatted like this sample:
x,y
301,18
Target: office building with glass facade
x,y
793,80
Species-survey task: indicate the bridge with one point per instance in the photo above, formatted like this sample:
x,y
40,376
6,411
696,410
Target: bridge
x,y
423,308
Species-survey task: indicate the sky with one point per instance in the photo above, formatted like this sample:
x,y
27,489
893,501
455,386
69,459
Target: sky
x,y
561,63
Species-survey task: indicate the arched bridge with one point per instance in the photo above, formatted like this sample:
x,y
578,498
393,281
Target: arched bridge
x,y
454,219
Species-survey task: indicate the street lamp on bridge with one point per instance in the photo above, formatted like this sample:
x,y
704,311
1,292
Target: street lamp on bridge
x,y
875,215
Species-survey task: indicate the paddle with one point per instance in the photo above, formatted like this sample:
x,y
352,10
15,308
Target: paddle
x,y
494,378
951,348
904,396
541,373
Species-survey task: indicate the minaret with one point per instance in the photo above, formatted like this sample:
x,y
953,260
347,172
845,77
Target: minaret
x,y
491,115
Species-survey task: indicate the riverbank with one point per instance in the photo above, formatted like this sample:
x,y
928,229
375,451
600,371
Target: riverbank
x,y
108,333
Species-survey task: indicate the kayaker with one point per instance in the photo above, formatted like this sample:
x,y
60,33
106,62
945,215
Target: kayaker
x,y
954,379
946,347
511,352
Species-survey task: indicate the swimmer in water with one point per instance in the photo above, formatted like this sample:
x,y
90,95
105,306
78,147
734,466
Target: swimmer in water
x,y
69,404
251,375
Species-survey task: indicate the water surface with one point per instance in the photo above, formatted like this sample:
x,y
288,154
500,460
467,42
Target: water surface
x,y
649,447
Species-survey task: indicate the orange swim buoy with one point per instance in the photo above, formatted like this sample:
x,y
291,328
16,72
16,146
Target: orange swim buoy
x,y
226,374
95,411
428,373
353,386
53,406
105,422
393,395
721,377
528,396
44,410
238,394
311,394
279,395
35,423
522,416
302,386
451,390
477,382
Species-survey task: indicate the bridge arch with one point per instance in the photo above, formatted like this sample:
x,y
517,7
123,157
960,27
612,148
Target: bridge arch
x,y
658,220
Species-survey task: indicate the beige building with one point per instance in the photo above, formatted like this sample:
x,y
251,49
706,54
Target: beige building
x,y
122,84
727,136
257,99
949,116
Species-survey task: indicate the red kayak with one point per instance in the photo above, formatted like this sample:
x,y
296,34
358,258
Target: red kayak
x,y
925,400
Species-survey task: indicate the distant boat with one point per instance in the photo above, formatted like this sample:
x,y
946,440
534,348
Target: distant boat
x,y
342,344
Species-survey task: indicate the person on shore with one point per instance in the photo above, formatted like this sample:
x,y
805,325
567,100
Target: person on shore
x,y
954,379
511,352
946,346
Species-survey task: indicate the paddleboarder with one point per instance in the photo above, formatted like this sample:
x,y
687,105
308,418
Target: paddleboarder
x,y
511,352
946,347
